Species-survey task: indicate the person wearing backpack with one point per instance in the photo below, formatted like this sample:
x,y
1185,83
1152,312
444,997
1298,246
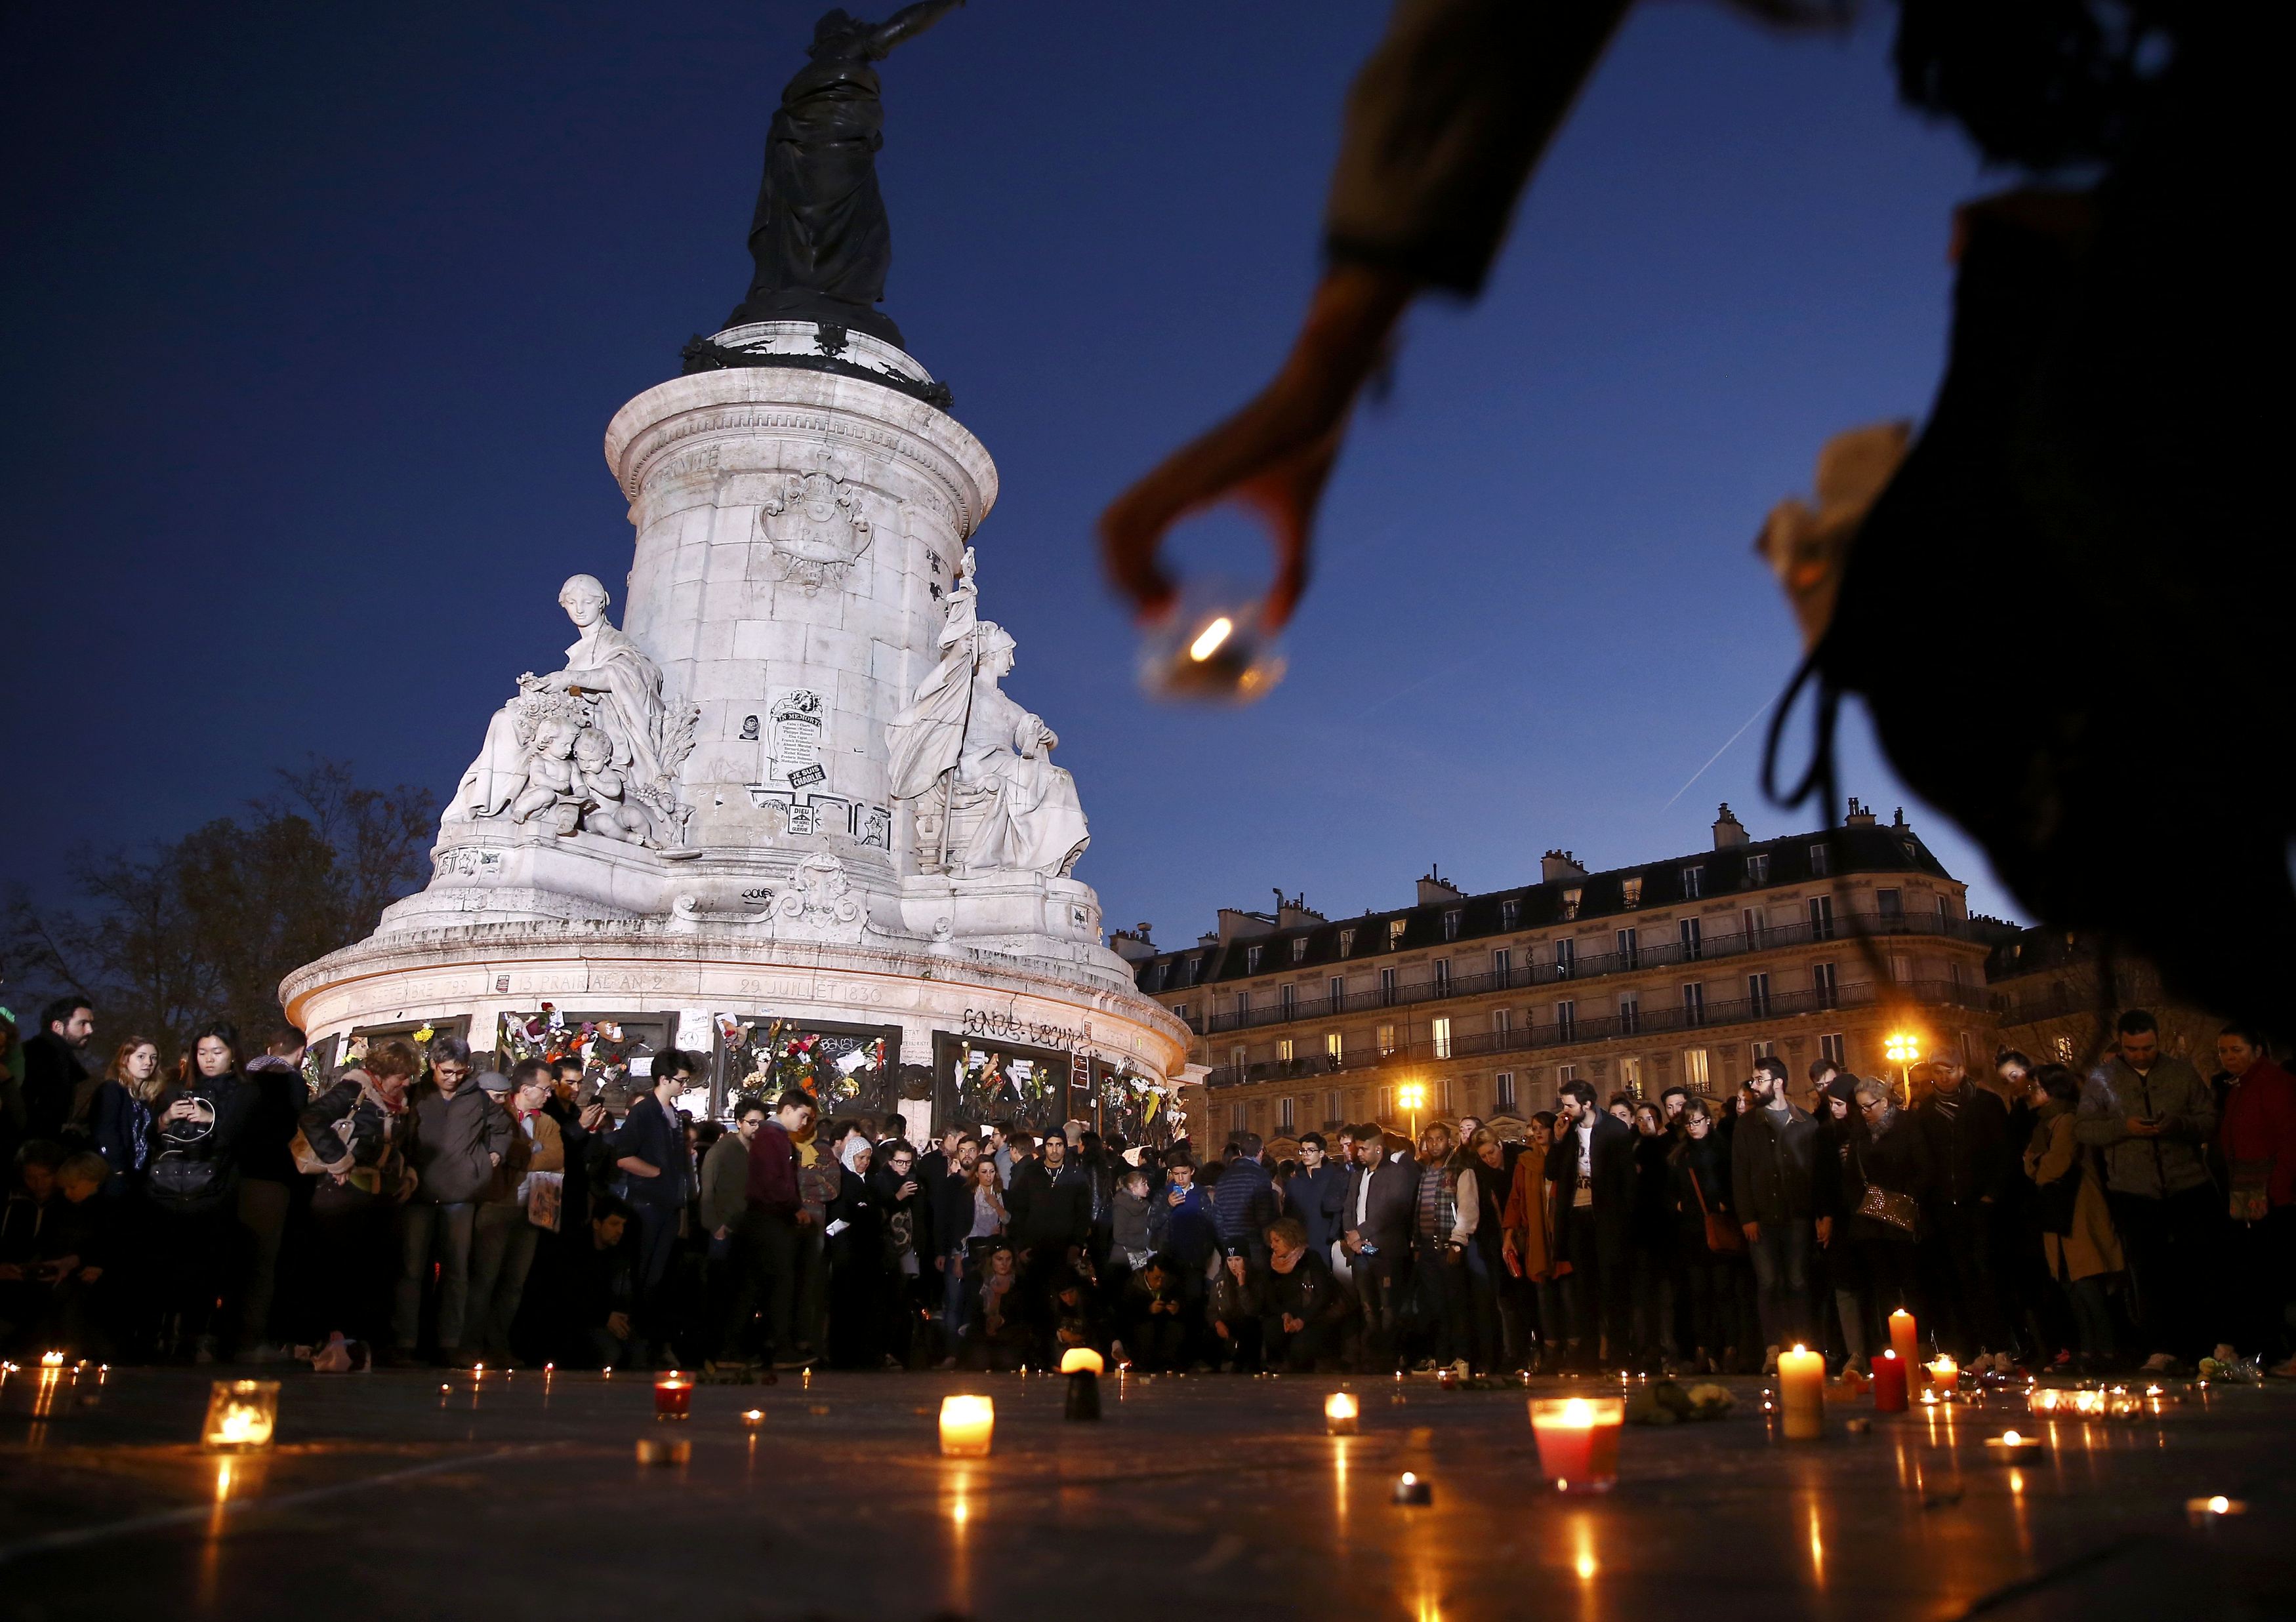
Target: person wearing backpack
x,y
192,1179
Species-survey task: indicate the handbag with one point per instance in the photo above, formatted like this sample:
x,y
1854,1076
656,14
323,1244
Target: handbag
x,y
2251,1189
1886,1205
1724,1236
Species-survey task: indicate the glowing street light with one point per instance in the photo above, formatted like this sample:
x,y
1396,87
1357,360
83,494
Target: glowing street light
x,y
1904,1050
1413,1096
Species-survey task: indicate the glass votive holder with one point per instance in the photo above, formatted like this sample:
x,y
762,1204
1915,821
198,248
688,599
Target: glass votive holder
x,y
1579,1441
1212,648
673,1397
1340,1414
967,1424
241,1414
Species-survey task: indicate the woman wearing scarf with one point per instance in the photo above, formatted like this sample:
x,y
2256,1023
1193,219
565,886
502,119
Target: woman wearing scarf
x,y
352,1137
856,1235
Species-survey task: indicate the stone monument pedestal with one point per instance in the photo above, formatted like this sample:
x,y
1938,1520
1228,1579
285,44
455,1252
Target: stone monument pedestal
x,y
695,828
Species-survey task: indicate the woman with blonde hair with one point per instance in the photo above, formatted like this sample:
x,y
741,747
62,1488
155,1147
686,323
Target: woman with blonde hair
x,y
121,1112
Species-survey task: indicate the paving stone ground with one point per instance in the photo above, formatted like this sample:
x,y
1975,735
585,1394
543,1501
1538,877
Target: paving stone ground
x,y
388,1496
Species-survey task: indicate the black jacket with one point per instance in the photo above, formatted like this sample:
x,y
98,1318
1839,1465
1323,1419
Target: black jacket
x,y
1773,1166
453,1140
1610,1157
52,1072
1393,1205
908,1223
194,1164
1900,1161
1048,1211
1318,1199
1970,1156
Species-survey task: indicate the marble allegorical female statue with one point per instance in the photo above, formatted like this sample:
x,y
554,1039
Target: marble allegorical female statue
x,y
618,685
1019,811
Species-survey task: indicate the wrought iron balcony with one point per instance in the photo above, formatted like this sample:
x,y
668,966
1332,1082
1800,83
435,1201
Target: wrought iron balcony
x,y
1659,954
1643,1025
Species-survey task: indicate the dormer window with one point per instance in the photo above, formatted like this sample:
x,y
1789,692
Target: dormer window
x,y
1395,928
1346,942
1451,924
1251,960
1510,914
1693,882
1299,949
1633,889
1570,899
1758,870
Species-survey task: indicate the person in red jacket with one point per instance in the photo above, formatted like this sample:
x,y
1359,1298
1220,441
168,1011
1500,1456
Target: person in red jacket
x,y
2257,1136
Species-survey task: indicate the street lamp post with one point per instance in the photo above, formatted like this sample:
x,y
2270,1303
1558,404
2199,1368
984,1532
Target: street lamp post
x,y
1412,1095
1905,1052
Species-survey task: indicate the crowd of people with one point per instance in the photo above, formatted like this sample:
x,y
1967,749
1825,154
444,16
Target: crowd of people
x,y
418,1207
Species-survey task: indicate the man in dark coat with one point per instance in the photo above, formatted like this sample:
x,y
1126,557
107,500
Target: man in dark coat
x,y
1773,1156
1968,1132
1375,1224
1591,1167
55,1063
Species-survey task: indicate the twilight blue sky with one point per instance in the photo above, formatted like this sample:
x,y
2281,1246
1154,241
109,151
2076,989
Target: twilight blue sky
x,y
315,316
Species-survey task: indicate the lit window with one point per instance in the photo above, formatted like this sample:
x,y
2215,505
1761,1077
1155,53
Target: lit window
x,y
1334,1046
1346,942
1570,899
1284,1049
1633,889
1395,928
1386,1039
1693,1069
1443,1038
1693,883
1630,1076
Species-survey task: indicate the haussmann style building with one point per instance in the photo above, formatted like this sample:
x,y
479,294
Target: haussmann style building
x,y
1636,980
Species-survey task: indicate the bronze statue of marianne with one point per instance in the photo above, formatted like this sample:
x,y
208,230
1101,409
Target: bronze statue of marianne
x,y
820,237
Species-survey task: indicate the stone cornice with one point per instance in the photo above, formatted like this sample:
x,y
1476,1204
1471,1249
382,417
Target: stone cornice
x,y
674,416
492,946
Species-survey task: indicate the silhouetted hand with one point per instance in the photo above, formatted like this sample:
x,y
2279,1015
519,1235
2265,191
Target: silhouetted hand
x,y
1273,455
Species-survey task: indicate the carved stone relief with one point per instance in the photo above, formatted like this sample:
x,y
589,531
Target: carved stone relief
x,y
816,528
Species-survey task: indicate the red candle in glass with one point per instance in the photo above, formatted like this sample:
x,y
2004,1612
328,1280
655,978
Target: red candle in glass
x,y
1889,1384
673,1397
